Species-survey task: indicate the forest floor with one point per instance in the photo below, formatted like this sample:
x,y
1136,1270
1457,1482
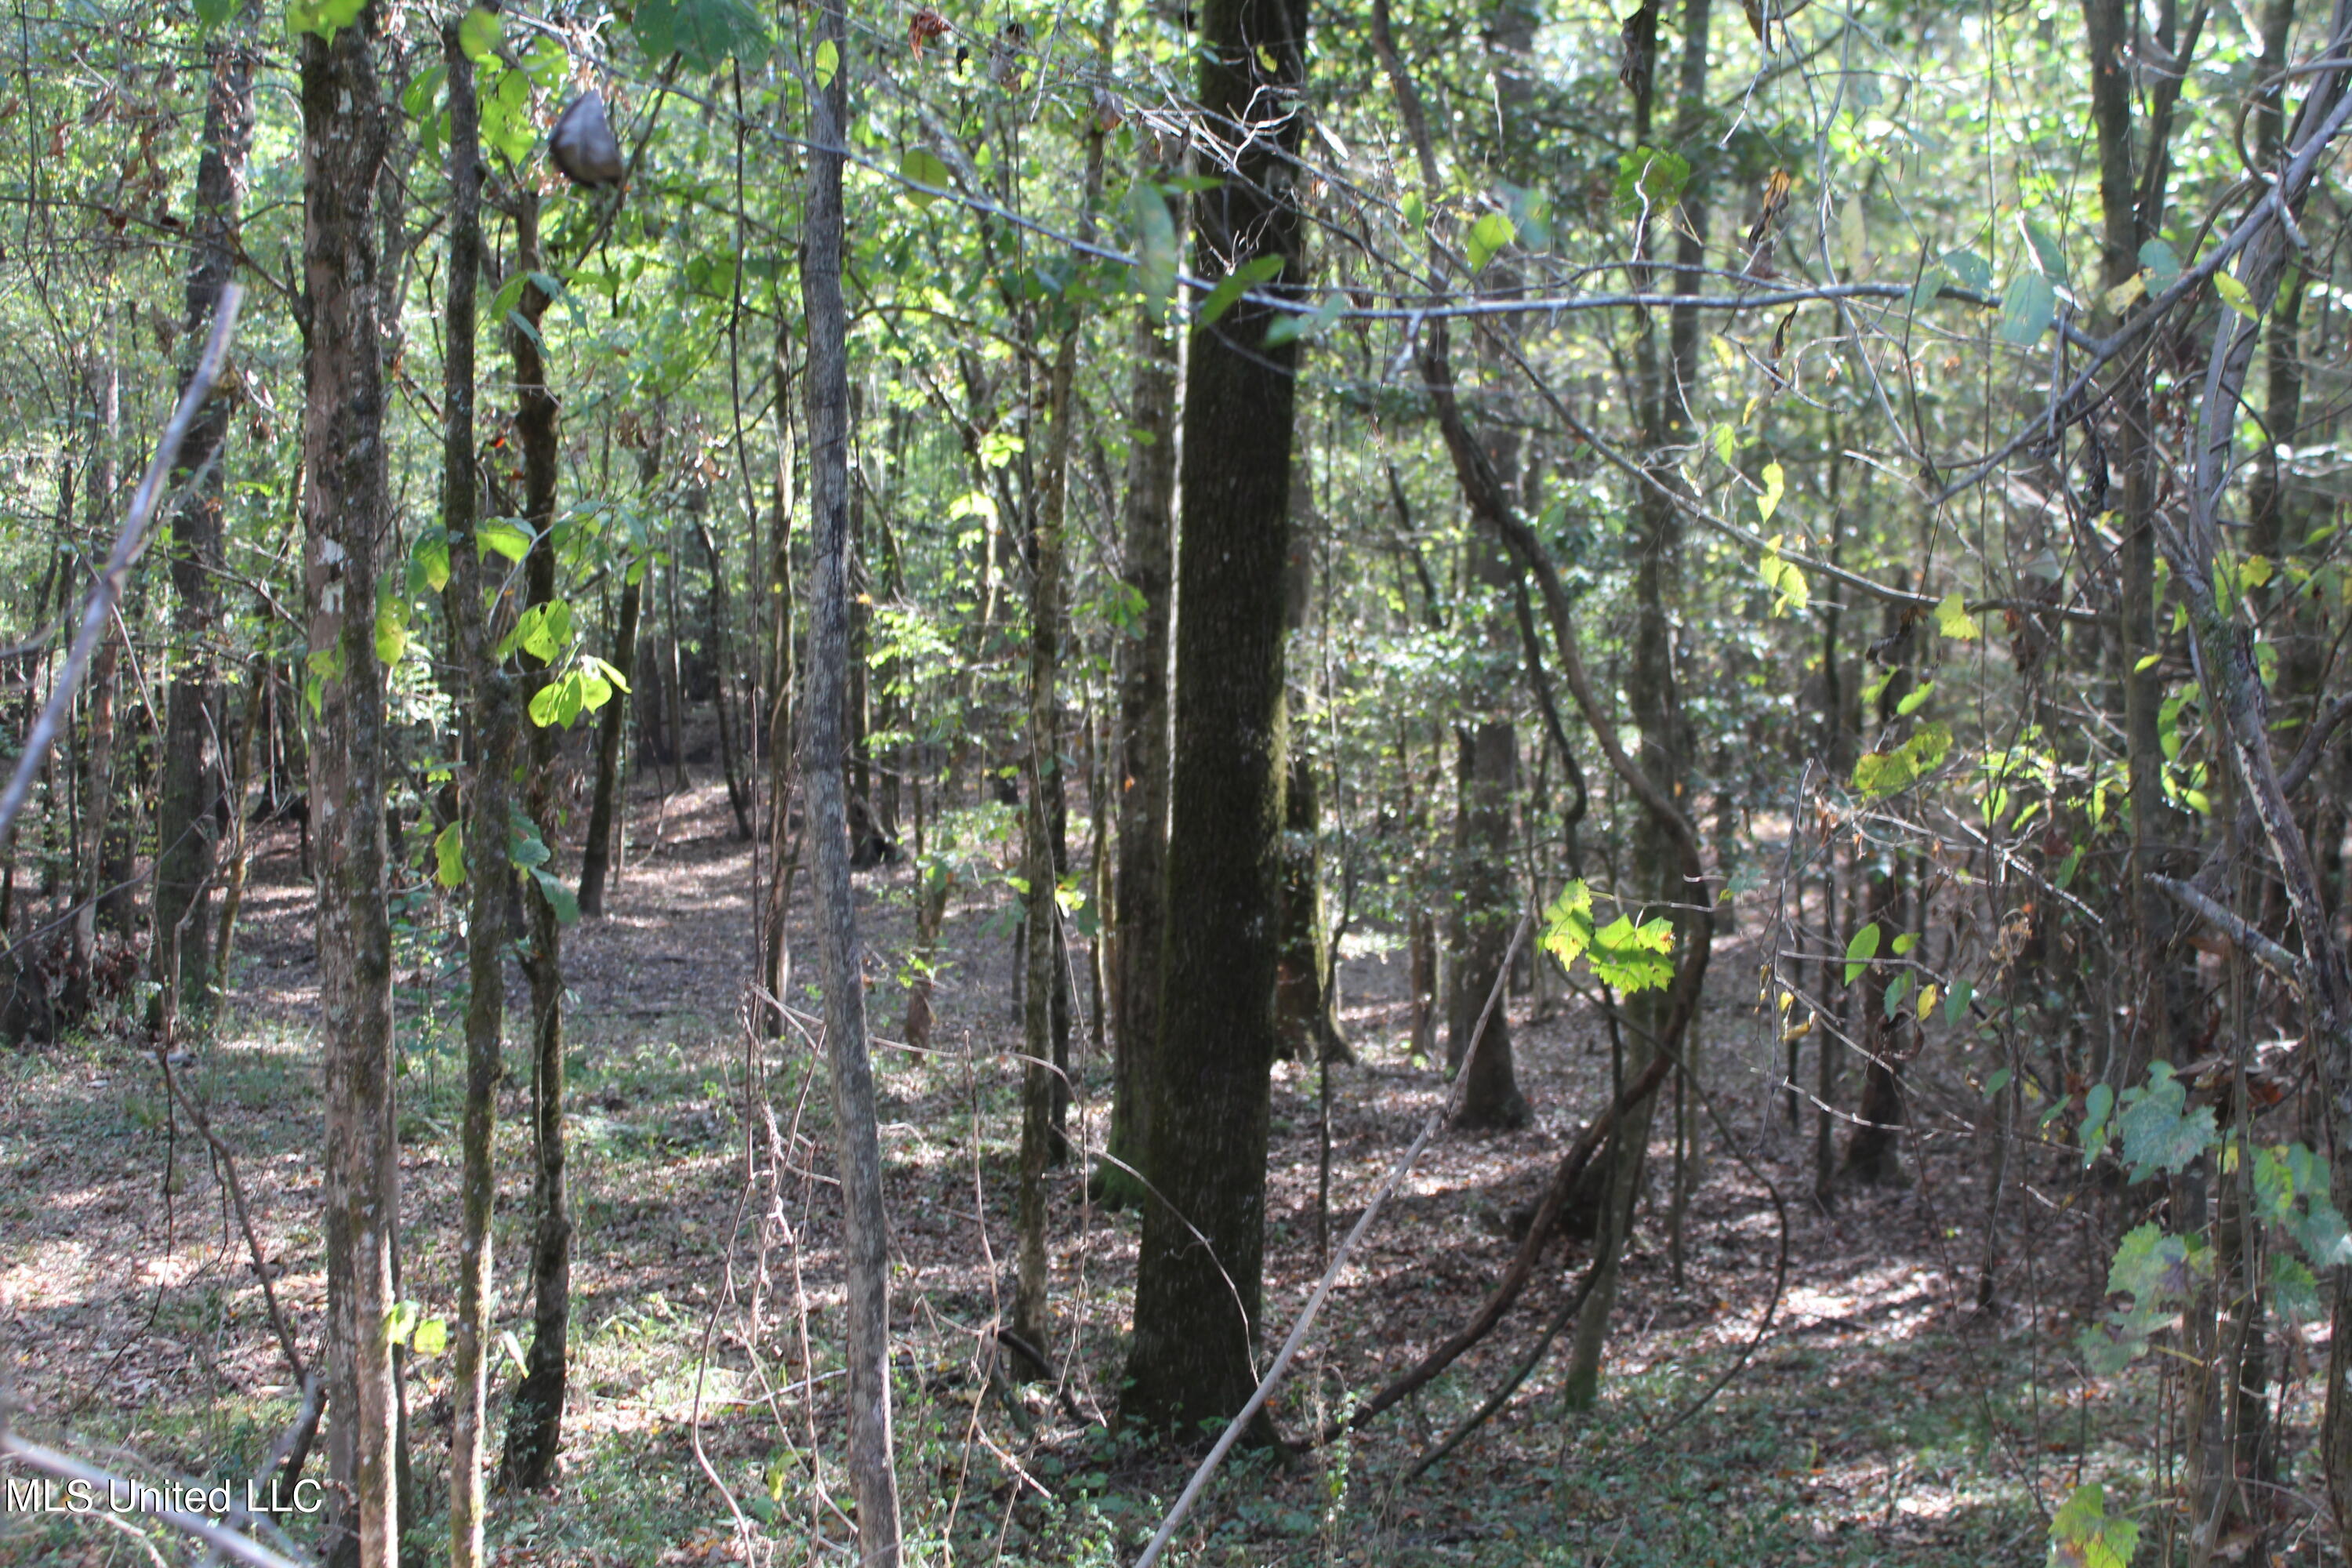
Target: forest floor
x,y
1882,1418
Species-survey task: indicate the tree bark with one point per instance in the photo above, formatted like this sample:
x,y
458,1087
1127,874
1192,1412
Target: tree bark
x,y
488,870
857,1141
535,1424
347,512
1661,872
185,829
1196,1305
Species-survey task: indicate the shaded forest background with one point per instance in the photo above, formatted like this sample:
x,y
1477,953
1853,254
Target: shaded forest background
x,y
834,729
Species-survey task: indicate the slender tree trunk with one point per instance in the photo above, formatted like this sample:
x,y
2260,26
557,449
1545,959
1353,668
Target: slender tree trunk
x,y
738,797
1306,1017
784,857
185,825
596,852
237,785
1046,1017
858,1142
346,137
97,769
1204,1245
1660,873
492,720
535,1424
2154,822
1142,891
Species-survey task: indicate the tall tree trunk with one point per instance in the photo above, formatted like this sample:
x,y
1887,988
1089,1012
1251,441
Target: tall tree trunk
x,y
2153,818
1140,920
185,825
347,132
1045,1033
1204,1245
488,870
857,1147
535,1425
1660,872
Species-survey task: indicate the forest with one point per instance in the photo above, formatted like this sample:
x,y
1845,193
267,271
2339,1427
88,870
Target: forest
x,y
1175,781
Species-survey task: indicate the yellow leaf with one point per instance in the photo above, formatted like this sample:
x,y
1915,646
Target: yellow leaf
x,y
1952,617
1775,486
2120,297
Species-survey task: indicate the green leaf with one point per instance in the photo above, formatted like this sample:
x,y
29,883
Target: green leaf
x,y
827,65
1567,923
1971,271
510,539
1784,579
1882,774
525,850
1775,487
449,856
1997,1082
710,33
559,898
1726,443
1955,1002
2028,309
2295,1289
390,628
1310,324
923,168
1489,235
1649,180
1916,699
401,1321
1243,278
431,1338
1952,618
479,36
1859,951
423,91
2049,259
547,702
2083,1535
430,561
323,18
2319,1230
1932,279
1633,958
2158,1133
2163,265
2098,1105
